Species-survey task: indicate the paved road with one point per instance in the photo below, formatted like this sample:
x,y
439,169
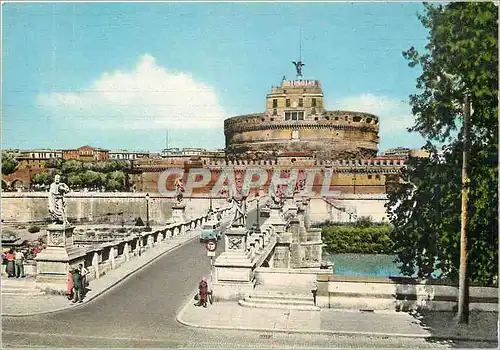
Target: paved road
x,y
140,312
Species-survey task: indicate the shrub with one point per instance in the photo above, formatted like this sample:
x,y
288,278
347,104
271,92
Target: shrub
x,y
353,238
34,229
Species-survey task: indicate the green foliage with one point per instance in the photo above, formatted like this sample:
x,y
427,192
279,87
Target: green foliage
x,y
9,163
54,163
425,207
352,238
71,166
42,178
425,212
75,181
111,174
461,57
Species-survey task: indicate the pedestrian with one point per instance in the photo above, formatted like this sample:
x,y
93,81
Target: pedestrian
x,y
10,268
83,275
203,287
77,286
69,286
19,262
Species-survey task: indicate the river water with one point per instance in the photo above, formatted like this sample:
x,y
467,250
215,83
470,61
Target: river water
x,y
369,265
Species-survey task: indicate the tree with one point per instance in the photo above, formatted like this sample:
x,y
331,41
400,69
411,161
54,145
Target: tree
x,y
71,166
461,59
9,163
90,179
42,178
115,180
75,181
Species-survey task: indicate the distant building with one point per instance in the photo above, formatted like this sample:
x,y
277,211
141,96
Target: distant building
x,y
37,158
405,153
127,155
184,152
86,153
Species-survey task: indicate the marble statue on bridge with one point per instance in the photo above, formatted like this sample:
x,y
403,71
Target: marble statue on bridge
x,y
57,203
179,190
240,214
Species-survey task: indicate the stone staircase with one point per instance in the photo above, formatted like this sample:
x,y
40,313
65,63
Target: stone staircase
x,y
20,287
280,298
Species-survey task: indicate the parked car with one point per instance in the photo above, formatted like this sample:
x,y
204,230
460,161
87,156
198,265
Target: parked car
x,y
211,230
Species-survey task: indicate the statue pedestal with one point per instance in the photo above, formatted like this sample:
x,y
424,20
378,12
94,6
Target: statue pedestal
x,y
179,213
234,277
54,262
276,220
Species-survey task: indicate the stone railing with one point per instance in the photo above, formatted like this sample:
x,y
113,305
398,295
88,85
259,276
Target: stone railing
x,y
398,294
109,256
101,258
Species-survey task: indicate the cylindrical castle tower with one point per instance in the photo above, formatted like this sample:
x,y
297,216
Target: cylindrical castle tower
x,y
296,120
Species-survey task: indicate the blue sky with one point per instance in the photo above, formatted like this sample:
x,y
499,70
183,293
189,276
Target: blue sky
x,y
117,75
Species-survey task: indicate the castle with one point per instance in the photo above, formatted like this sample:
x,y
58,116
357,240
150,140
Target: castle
x,y
295,120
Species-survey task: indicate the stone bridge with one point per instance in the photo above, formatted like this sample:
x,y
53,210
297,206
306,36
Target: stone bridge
x,y
282,244
54,263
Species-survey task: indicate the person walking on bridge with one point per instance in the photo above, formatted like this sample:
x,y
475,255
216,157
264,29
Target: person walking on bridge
x,y
77,286
203,287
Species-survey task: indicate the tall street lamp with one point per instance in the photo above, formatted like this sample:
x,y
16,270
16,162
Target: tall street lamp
x,y
148,228
257,230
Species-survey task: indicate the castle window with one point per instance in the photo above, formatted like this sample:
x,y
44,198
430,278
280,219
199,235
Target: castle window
x,y
377,177
336,118
294,115
275,103
263,119
327,118
346,118
275,111
301,102
313,111
272,119
287,102
368,120
370,176
315,118
313,102
357,119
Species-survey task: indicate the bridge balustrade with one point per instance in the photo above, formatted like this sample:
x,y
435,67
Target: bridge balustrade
x,y
108,256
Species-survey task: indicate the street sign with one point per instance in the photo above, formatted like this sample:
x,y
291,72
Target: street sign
x,y
211,246
209,253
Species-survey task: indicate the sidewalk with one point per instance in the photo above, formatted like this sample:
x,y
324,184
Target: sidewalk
x,y
435,325
24,305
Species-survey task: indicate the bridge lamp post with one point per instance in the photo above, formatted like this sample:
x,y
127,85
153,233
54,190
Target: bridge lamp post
x,y
258,214
148,228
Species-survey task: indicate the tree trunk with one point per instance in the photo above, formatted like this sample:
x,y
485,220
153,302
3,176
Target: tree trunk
x,y
463,302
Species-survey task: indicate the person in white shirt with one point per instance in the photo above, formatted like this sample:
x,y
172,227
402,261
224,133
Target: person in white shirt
x,y
19,263
83,275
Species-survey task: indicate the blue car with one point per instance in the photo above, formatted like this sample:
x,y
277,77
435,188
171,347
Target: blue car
x,y
211,230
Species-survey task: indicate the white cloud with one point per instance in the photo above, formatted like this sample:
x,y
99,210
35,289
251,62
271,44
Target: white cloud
x,y
148,97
